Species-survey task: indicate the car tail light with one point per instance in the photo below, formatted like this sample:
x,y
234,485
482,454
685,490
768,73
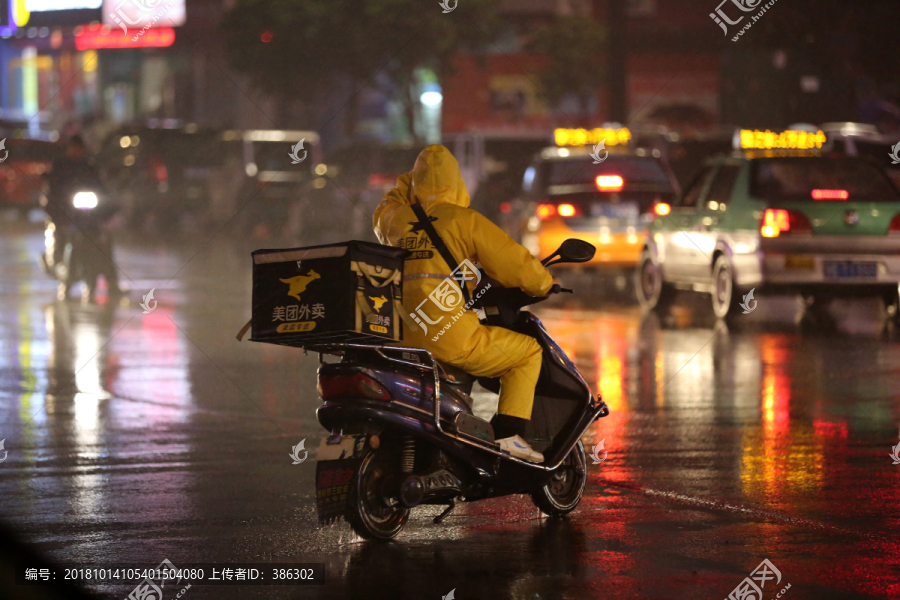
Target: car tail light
x,y
505,207
546,211
894,227
661,209
609,183
829,194
777,221
358,385
568,210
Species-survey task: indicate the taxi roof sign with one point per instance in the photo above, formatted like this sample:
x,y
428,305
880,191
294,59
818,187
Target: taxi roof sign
x,y
612,136
791,139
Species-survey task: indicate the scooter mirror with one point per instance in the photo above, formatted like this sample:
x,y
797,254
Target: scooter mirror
x,y
576,251
571,251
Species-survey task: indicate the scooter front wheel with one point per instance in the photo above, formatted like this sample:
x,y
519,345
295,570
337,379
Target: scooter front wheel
x,y
369,511
563,492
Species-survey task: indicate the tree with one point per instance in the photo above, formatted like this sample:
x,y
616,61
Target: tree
x,y
574,47
296,50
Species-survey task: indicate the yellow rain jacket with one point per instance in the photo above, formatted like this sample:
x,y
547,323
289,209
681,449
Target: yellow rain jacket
x,y
460,339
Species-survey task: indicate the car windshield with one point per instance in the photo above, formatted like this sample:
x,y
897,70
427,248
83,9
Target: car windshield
x,y
819,178
636,172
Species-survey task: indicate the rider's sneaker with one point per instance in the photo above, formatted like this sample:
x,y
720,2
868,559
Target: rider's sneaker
x,y
519,448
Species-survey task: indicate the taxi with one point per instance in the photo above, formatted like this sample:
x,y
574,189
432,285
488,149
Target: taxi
x,y
594,187
779,214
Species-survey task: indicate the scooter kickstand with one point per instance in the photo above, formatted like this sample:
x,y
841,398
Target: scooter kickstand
x,y
447,511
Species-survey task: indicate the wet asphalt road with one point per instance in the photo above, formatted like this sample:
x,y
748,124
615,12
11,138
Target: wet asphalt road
x,y
134,438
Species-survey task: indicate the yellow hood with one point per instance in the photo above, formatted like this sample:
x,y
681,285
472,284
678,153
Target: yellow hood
x,y
436,179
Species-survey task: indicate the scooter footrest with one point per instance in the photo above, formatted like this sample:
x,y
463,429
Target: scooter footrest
x,y
475,428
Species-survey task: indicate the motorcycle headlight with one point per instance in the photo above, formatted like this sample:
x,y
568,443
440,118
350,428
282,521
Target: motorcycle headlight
x,y
85,200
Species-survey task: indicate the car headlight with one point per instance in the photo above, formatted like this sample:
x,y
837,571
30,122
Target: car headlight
x,y
85,200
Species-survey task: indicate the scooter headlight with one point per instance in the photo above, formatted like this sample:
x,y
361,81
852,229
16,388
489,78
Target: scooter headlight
x,y
85,200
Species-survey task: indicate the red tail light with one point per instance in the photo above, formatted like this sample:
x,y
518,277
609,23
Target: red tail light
x,y
661,209
894,227
776,221
830,194
609,183
358,385
546,211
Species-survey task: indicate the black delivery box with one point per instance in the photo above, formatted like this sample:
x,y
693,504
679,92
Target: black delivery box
x,y
349,292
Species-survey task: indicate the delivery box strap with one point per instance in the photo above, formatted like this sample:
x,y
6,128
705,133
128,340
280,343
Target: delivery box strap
x,y
441,247
374,273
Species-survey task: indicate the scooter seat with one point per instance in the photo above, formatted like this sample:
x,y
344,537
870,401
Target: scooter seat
x,y
455,375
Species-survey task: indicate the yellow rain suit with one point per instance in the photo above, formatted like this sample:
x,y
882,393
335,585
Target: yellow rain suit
x,y
460,339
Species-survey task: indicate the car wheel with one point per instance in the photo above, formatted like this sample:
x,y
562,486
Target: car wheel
x,y
724,296
651,289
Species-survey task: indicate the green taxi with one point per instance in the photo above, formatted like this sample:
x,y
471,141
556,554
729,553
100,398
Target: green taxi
x,y
782,215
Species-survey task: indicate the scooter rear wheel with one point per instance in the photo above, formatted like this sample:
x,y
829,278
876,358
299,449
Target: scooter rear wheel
x,y
563,492
367,511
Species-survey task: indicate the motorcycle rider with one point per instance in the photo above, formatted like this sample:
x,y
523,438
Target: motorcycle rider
x,y
483,351
71,173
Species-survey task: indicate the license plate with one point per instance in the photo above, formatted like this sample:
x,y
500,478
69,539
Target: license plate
x,y
800,263
624,210
850,270
350,446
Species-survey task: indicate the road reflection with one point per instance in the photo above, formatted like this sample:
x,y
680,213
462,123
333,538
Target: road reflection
x,y
760,412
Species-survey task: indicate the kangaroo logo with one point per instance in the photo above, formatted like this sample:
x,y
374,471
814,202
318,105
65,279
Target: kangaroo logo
x,y
298,284
148,298
895,150
295,452
378,302
895,456
595,454
601,145
748,298
5,452
445,4
6,152
295,158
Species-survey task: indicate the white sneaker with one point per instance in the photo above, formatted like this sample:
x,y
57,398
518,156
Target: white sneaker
x,y
519,448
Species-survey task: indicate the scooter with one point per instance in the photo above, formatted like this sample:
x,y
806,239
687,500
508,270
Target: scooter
x,y
79,248
403,433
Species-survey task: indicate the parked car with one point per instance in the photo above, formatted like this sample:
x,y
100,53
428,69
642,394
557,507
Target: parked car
x,y
162,176
782,217
281,169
